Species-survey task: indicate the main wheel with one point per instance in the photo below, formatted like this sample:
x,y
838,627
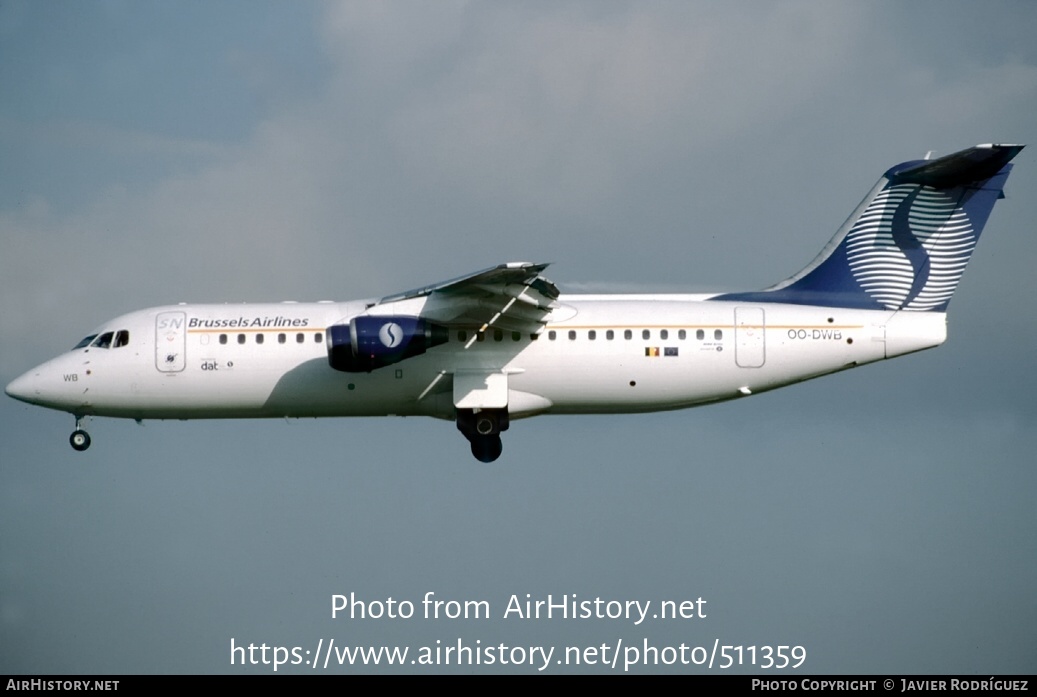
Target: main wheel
x,y
487,448
80,440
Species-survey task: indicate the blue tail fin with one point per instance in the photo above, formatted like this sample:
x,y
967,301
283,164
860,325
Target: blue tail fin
x,y
907,244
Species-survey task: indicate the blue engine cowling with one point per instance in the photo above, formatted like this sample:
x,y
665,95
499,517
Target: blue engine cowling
x,y
367,343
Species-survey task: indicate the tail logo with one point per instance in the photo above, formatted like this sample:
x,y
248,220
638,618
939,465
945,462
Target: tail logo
x,y
910,247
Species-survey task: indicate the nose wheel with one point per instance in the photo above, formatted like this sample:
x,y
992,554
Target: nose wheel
x,y
80,439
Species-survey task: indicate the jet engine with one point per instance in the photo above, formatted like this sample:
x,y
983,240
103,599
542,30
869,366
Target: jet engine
x,y
368,342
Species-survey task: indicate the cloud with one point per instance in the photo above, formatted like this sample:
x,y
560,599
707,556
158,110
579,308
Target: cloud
x,y
554,105
449,137
641,148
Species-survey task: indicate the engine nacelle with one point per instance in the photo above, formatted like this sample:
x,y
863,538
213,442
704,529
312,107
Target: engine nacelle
x,y
367,343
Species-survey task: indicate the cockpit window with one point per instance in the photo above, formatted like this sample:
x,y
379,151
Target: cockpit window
x,y
122,338
85,342
103,341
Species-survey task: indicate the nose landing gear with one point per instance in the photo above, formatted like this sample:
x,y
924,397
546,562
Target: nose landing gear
x,y
79,439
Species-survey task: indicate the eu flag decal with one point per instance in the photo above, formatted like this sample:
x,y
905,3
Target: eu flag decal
x,y
670,351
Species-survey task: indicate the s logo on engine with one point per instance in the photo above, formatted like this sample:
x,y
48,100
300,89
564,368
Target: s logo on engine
x,y
391,334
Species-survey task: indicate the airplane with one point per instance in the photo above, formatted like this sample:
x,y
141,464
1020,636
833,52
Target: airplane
x,y
503,343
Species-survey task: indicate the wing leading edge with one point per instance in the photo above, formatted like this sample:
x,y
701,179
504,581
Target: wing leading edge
x,y
513,297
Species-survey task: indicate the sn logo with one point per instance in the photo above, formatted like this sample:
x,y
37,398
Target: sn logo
x,y
171,323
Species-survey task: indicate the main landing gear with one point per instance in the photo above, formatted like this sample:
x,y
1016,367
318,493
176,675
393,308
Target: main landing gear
x,y
482,429
79,439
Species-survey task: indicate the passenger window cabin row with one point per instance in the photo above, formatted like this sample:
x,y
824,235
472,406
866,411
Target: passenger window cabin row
x,y
592,335
282,338
122,337
646,334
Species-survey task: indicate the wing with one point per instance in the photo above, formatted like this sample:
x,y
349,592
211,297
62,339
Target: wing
x,y
512,297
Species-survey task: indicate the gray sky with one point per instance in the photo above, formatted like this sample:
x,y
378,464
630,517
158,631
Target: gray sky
x,y
153,153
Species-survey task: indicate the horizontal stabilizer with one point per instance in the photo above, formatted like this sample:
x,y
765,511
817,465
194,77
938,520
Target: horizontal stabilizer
x,y
958,169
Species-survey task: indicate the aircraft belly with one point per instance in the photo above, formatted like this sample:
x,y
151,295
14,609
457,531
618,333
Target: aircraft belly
x,y
604,384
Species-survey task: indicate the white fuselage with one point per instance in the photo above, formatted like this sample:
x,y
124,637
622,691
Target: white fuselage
x,y
608,353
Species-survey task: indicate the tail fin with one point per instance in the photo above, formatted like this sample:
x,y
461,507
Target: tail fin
x,y
906,245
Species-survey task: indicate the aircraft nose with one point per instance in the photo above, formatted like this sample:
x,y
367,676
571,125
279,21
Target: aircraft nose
x,y
24,387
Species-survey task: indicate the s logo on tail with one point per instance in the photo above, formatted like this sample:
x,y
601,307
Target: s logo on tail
x,y
907,244
910,247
